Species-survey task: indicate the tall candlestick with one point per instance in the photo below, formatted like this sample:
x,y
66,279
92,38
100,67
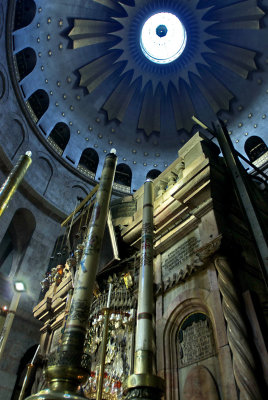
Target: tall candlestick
x,y
13,180
143,383
70,366
9,321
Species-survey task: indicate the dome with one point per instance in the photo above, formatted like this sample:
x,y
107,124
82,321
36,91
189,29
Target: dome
x,y
86,70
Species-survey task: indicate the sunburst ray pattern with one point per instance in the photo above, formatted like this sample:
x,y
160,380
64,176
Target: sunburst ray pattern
x,y
190,75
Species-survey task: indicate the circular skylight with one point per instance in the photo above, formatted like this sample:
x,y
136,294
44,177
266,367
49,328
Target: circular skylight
x,y
163,38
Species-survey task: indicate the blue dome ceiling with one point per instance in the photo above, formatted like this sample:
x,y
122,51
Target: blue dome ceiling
x,y
86,70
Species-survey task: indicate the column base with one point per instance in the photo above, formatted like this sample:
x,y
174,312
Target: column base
x,y
143,393
64,382
48,394
144,387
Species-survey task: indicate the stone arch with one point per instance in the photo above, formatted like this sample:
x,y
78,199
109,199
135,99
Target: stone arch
x,y
15,241
41,174
80,191
59,137
26,61
24,13
189,301
255,147
16,138
153,174
39,102
89,161
123,175
13,127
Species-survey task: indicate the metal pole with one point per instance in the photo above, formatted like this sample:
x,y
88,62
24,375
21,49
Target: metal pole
x,y
28,374
9,321
70,366
244,196
13,180
103,345
143,383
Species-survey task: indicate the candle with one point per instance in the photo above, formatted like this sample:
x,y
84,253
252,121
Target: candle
x,y
109,295
35,354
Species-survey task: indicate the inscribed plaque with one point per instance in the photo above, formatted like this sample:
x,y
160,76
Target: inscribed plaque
x,y
180,254
195,339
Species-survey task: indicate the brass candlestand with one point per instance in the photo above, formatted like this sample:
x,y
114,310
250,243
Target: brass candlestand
x,y
13,180
69,367
144,384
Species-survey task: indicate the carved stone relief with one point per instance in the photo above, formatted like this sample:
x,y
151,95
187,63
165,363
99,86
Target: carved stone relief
x,y
195,339
197,359
180,254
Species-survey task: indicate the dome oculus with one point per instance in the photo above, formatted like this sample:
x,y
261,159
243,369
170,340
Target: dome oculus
x,y
163,38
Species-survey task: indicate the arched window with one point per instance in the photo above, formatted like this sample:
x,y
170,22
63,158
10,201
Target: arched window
x,y
255,147
153,174
123,176
24,14
88,162
16,240
26,61
59,137
39,103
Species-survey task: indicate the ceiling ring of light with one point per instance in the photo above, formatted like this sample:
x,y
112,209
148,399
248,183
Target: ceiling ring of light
x,y
163,38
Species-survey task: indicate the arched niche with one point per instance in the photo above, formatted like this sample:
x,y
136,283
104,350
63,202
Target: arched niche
x,y
15,241
39,102
24,13
88,162
182,312
255,147
123,177
153,174
19,136
59,137
197,361
41,174
79,192
26,61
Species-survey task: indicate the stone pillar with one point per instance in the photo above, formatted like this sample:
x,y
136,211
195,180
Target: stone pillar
x,y
243,360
